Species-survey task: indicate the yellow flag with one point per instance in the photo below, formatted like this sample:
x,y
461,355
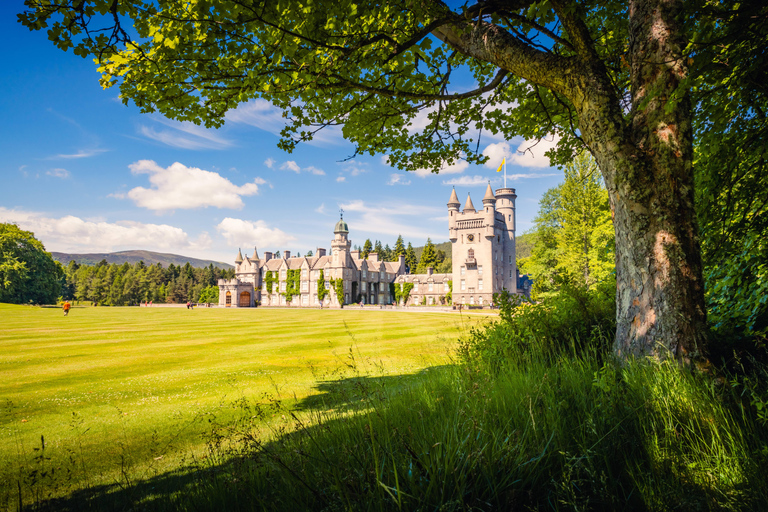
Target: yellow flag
x,y
502,164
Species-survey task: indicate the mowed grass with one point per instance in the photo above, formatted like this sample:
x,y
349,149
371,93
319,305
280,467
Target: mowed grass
x,y
122,393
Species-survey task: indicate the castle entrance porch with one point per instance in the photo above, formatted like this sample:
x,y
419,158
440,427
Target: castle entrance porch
x,y
245,300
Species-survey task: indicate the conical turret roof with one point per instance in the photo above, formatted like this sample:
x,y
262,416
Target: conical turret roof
x,y
454,198
255,256
239,258
489,194
468,206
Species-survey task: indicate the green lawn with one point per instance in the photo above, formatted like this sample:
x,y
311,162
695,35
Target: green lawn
x,y
124,393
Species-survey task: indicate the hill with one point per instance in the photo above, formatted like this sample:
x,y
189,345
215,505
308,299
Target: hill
x,y
148,257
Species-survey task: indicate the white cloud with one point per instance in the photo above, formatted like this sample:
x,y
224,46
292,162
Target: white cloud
x,y
455,168
58,173
73,234
244,233
269,162
182,187
292,166
398,179
82,153
341,179
384,159
468,181
393,219
263,115
321,209
529,153
354,168
185,135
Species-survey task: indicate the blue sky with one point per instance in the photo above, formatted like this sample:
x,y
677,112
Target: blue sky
x,y
86,173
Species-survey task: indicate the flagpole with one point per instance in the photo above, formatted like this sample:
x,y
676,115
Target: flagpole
x,y
505,173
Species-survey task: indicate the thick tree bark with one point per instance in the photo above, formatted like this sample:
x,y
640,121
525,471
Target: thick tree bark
x,y
646,157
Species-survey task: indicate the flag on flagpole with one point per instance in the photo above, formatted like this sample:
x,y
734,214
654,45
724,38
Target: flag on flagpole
x,y
502,164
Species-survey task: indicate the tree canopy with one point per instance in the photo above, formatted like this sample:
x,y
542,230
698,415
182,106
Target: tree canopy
x,y
610,77
28,274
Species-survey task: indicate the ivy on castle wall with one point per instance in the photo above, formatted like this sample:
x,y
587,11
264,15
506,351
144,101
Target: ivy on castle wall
x,y
292,284
449,295
402,292
322,291
269,280
338,287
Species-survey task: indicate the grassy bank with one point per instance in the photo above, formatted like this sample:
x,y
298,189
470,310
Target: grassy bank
x,y
118,395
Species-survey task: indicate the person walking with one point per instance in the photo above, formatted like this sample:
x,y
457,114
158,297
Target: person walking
x,y
66,307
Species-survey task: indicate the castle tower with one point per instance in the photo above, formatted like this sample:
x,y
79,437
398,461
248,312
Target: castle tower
x,y
483,249
505,206
340,245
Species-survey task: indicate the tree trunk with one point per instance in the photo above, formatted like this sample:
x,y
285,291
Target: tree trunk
x,y
648,168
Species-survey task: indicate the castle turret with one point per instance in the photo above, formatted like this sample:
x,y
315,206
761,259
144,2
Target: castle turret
x,y
255,256
468,206
340,245
239,258
489,212
505,205
453,211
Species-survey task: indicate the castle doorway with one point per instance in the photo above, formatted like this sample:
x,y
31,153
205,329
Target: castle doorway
x,y
245,300
229,299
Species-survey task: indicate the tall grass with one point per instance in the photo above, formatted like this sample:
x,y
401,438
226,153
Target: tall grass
x,y
556,425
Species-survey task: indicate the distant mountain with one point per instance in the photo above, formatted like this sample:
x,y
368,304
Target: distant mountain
x,y
148,257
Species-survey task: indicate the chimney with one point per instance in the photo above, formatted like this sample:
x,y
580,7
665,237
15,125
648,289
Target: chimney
x,y
429,271
320,251
355,255
267,256
373,256
401,260
286,254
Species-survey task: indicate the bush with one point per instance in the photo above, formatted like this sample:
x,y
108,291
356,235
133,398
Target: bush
x,y
569,322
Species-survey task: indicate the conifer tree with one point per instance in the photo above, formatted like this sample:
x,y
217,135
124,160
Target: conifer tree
x,y
367,248
399,248
379,249
428,257
410,258
387,256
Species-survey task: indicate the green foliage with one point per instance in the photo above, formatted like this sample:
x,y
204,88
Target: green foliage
x,y
410,258
428,258
573,241
402,292
449,295
120,285
731,168
574,318
337,285
292,284
209,294
322,291
270,278
367,248
28,274
399,248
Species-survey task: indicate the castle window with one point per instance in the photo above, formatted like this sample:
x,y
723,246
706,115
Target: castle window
x,y
510,273
463,270
431,287
303,273
363,286
498,238
480,284
282,274
510,258
365,273
463,285
480,301
471,254
416,286
479,270
472,300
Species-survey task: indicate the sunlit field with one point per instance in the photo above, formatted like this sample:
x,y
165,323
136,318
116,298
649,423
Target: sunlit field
x,y
117,394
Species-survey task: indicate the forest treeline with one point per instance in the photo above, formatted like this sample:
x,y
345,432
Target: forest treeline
x,y
129,285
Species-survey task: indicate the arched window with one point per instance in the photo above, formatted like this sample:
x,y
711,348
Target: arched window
x,y
229,299
471,254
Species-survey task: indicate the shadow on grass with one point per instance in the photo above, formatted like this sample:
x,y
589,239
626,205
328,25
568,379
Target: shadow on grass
x,y
185,488
344,394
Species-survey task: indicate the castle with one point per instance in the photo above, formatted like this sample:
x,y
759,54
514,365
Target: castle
x,y
483,254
